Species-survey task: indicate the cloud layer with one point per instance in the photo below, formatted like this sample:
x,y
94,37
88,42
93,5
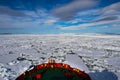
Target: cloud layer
x,y
10,12
113,9
87,25
63,15
68,11
10,18
105,17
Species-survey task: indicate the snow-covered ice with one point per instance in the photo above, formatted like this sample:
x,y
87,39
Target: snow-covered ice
x,y
97,55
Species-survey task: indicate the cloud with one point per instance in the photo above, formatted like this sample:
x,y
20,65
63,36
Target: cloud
x,y
106,18
10,12
19,20
19,24
31,19
88,25
68,11
103,18
50,22
113,9
111,12
112,26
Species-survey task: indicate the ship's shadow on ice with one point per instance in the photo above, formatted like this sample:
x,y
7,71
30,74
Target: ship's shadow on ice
x,y
104,75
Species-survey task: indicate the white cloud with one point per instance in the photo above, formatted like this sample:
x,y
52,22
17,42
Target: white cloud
x,y
33,19
50,22
113,9
11,23
10,12
105,18
88,25
77,20
68,11
109,13
88,12
115,26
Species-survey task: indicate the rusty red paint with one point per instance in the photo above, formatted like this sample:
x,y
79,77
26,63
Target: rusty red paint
x,y
38,76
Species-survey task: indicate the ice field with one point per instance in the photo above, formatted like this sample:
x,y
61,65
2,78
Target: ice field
x,y
98,55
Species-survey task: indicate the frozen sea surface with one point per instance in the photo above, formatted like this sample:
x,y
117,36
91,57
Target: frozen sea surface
x,y
97,55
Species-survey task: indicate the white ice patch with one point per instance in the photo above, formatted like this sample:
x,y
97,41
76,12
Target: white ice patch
x,y
90,53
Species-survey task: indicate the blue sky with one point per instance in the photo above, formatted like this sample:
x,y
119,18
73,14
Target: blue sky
x,y
59,16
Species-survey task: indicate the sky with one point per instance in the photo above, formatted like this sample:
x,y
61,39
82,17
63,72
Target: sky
x,y
59,16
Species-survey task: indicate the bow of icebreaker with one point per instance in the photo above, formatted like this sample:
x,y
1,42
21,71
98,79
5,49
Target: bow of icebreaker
x,y
57,71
